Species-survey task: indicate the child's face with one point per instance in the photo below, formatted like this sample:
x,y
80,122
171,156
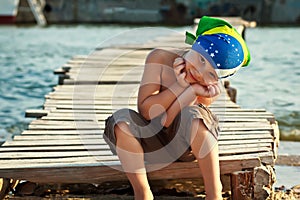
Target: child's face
x,y
199,70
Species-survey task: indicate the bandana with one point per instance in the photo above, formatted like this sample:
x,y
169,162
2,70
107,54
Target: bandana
x,y
220,44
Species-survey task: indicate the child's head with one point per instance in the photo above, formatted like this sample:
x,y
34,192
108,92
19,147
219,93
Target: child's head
x,y
198,69
221,45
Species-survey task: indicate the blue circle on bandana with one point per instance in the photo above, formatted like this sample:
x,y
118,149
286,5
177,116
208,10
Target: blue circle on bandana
x,y
222,50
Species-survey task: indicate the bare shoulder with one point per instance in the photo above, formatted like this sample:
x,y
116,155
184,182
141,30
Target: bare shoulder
x,y
158,63
163,56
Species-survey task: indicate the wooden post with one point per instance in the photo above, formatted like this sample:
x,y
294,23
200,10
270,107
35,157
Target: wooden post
x,y
242,185
264,178
230,91
4,186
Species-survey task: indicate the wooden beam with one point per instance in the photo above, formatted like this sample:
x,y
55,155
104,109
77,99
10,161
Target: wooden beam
x,y
98,173
36,113
242,185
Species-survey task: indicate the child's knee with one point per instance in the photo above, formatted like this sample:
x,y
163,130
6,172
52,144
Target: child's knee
x,y
202,140
199,127
121,130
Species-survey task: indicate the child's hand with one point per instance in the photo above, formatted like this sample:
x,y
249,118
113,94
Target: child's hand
x,y
179,69
206,91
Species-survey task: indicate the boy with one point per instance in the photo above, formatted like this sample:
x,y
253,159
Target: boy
x,y
173,121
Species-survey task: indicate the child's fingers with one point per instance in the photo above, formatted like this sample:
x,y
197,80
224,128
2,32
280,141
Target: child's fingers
x,y
211,90
217,89
182,76
214,90
181,80
178,69
178,61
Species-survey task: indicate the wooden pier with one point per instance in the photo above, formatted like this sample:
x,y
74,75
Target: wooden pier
x,y
65,143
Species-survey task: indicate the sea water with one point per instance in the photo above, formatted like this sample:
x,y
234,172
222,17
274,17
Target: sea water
x,y
272,80
29,54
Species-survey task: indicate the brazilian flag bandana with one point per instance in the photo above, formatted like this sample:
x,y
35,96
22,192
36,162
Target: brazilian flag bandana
x,y
220,44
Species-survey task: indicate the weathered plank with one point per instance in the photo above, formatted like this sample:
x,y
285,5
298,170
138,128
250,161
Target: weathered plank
x,y
99,135
87,172
96,131
224,150
100,141
13,148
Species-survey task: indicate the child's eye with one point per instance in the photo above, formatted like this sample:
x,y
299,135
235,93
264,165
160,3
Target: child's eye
x,y
212,75
202,59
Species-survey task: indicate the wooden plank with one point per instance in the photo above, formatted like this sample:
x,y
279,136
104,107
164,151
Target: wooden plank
x,y
60,132
107,79
90,117
57,154
113,58
244,151
223,117
99,135
257,124
105,147
95,126
99,160
113,106
106,152
101,141
102,88
216,110
112,101
106,171
58,162
98,172
97,131
57,137
90,125
241,146
84,75
230,150
116,101
98,107
56,148
109,70
54,143
149,46
97,96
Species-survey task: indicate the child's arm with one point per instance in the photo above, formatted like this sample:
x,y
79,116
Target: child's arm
x,y
188,97
152,102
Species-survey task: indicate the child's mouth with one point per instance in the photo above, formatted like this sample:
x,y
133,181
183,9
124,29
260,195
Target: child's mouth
x,y
193,77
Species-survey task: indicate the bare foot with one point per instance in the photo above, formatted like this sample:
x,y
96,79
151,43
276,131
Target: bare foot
x,y
143,195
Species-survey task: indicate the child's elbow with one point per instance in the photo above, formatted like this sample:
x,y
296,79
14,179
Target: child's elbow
x,y
164,121
151,112
144,112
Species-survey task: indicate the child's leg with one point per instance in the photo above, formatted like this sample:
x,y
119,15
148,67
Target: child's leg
x,y
205,149
131,155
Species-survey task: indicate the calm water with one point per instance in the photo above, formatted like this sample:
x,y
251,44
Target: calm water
x,y
28,56
272,81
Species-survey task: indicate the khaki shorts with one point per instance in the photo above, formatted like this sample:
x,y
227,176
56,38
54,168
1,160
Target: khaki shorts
x,y
161,144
